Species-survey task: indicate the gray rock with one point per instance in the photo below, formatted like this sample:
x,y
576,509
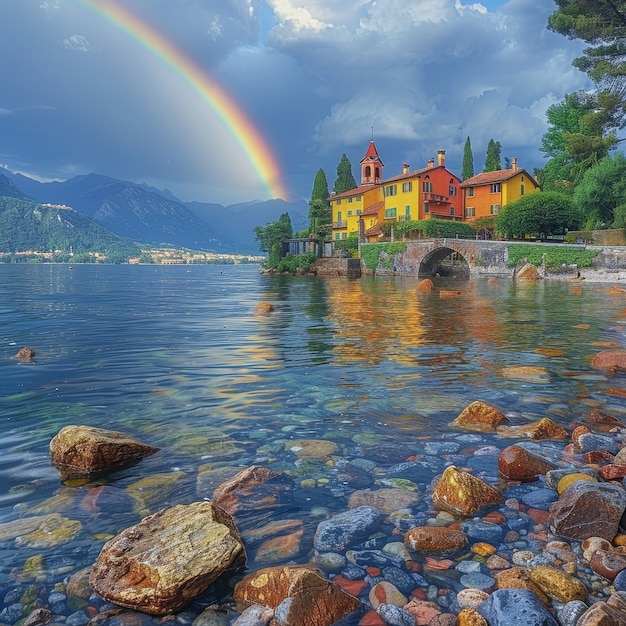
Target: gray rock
x,y
395,616
570,612
346,528
515,607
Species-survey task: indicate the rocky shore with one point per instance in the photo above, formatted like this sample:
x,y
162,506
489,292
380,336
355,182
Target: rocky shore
x,y
499,522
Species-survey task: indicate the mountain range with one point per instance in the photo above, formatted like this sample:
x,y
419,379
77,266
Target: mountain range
x,y
149,215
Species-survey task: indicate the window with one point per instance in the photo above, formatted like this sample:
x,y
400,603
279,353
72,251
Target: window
x,y
339,216
494,209
349,213
452,191
494,188
389,213
344,235
470,211
350,200
359,211
427,186
406,187
407,210
339,201
470,192
451,210
357,199
521,189
337,236
391,190
426,207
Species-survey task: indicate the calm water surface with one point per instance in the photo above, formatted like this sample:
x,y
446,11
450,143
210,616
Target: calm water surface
x,y
176,357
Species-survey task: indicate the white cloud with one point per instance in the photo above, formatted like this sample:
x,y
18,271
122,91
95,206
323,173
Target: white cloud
x,y
77,43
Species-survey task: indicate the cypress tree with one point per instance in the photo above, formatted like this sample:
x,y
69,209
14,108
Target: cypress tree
x,y
320,212
492,159
345,180
468,161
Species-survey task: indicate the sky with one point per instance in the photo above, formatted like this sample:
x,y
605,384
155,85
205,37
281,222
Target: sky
x,y
230,101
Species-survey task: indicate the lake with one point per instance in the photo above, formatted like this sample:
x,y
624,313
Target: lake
x,y
176,357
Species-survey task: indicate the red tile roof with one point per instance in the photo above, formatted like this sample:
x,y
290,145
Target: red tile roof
x,y
374,230
499,176
373,209
352,192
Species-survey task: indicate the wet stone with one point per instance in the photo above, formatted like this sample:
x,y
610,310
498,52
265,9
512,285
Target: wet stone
x,y
593,441
343,529
515,607
395,615
387,453
553,477
608,564
438,448
482,531
476,580
570,612
417,471
517,463
540,499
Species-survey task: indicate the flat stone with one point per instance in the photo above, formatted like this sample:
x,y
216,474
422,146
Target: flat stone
x,y
253,489
517,463
386,593
587,509
167,559
526,373
385,500
311,448
461,493
517,578
298,594
595,441
540,430
553,477
85,450
479,416
54,530
435,539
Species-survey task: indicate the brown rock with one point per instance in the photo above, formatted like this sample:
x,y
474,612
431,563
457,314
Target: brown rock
x,y
526,373
312,448
611,360
85,450
601,614
423,612
435,539
425,285
612,472
517,578
587,509
279,549
479,416
608,563
167,559
557,584
385,500
461,493
517,463
298,594
25,354
596,457
263,308
253,489
577,432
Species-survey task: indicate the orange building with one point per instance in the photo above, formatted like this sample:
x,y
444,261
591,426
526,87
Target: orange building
x,y
485,194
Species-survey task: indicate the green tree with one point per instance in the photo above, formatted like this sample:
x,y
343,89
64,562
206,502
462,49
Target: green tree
x,y
576,140
602,190
345,180
468,161
271,237
320,212
493,156
538,215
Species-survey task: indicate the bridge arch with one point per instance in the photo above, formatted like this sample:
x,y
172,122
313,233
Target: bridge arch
x,y
434,262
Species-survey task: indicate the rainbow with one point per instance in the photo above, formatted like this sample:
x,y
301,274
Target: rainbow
x,y
251,142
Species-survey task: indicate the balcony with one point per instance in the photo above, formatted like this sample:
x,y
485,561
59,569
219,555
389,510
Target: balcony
x,y
435,197
339,225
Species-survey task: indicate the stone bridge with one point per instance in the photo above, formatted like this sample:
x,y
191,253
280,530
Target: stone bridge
x,y
473,257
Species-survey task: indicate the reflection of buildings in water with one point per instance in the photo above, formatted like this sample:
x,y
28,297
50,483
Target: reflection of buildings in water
x,y
375,319
378,319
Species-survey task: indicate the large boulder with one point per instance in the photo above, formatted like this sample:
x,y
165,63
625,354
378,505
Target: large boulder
x,y
168,558
86,450
298,594
517,463
588,509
